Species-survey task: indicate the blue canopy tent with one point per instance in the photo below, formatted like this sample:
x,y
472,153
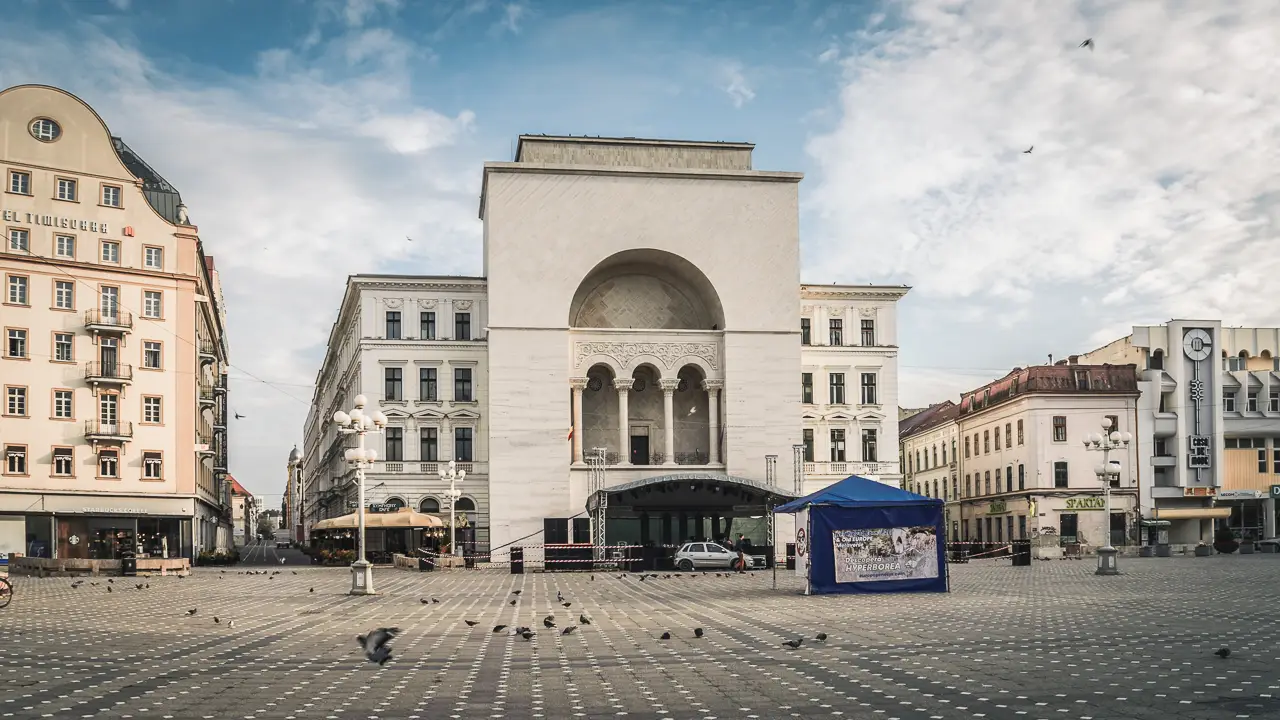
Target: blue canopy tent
x,y
862,536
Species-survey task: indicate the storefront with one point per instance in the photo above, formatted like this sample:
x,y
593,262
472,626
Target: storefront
x,y
95,527
1248,513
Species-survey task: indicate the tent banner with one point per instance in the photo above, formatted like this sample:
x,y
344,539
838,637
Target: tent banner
x,y
898,553
802,543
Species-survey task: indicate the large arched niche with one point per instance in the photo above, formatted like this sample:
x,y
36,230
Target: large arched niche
x,y
646,289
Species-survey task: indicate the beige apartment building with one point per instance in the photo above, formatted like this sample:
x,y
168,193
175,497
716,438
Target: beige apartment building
x,y
113,364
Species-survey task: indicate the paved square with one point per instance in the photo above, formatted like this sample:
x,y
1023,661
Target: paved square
x,y
1051,641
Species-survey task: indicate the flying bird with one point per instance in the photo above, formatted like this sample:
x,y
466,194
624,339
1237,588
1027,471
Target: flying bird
x,y
376,646
1224,652
239,416
1088,43
406,237
1028,150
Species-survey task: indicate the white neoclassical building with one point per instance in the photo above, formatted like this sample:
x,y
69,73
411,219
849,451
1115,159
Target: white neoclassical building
x,y
639,323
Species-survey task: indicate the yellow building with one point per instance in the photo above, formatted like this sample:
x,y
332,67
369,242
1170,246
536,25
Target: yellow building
x,y
113,429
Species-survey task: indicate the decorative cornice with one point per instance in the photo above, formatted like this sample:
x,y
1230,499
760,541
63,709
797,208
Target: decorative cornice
x,y
427,303
623,383
710,385
669,385
393,302
578,383
668,353
462,304
868,292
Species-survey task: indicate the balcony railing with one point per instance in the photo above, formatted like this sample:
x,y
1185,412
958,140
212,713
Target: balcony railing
x,y
844,469
696,457
206,393
427,467
108,372
98,430
208,350
108,321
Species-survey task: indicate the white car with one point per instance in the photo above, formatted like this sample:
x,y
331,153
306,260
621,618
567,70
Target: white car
x,y
712,555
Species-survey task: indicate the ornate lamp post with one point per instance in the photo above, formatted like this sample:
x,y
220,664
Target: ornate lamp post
x,y
1107,472
358,424
453,476
298,501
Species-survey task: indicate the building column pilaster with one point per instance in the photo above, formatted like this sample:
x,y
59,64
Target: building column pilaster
x,y
578,384
623,386
713,388
668,419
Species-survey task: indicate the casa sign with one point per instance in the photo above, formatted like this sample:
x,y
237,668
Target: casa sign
x,y
54,221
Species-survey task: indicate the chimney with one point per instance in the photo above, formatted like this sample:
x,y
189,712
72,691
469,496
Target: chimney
x,y
1073,360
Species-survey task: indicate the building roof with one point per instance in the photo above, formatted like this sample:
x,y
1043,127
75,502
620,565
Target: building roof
x,y
1064,379
237,488
929,418
160,194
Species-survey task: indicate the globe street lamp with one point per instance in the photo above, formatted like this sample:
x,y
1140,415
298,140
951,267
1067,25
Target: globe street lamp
x,y
453,475
359,424
1108,471
298,502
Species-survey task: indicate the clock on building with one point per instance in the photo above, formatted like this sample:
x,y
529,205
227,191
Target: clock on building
x,y
1197,344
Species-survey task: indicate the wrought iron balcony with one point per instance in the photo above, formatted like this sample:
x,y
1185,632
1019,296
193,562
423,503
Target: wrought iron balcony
x,y
208,350
99,320
206,394
98,431
108,373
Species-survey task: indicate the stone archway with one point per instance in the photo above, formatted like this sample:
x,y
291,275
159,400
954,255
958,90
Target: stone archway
x,y
646,289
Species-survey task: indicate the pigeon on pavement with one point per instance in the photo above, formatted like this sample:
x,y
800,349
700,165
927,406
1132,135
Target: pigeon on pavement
x,y
191,612
584,619
569,630
1224,652
665,636
549,621
471,623
376,646
793,644
820,637
697,632
499,628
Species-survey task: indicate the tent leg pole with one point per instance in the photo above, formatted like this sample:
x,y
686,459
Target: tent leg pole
x,y
773,544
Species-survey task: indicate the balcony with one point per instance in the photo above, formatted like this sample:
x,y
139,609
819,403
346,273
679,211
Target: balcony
x,y
207,350
206,395
220,385
98,431
1166,425
108,373
102,321
1164,461
845,469
430,468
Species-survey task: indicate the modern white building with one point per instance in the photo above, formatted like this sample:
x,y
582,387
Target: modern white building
x,y
1208,426
113,428
640,323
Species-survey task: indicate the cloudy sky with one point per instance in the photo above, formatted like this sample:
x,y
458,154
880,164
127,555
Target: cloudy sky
x,y
309,138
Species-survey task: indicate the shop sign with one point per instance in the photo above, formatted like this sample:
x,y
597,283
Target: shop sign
x,y
1199,492
381,508
1198,456
113,511
1239,494
1086,503
1275,491
54,221
997,507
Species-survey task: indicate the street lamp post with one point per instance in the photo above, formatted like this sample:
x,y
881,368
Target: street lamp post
x,y
1107,472
299,501
453,475
359,424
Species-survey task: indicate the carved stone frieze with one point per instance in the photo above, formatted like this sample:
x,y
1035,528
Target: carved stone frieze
x,y
427,303
462,304
392,302
668,353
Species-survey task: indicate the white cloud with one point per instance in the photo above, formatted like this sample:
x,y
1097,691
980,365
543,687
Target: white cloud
x,y
297,176
120,4
357,12
1152,189
512,13
735,84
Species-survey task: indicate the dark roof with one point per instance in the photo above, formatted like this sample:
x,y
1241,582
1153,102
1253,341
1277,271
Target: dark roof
x,y
161,196
1052,379
930,417
855,491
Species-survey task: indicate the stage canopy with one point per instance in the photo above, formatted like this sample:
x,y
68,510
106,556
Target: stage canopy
x,y
862,536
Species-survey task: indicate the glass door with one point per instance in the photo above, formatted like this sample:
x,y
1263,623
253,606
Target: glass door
x,y
110,304
108,411
108,354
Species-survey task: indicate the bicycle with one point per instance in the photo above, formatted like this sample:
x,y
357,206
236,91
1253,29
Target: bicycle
x,y
6,593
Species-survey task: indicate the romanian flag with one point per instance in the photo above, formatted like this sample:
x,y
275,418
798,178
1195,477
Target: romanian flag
x,y
570,434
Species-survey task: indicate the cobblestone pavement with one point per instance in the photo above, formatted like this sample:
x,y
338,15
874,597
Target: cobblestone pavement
x,y
1050,641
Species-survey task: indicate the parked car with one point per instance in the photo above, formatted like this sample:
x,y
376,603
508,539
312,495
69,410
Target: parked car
x,y
282,544
713,555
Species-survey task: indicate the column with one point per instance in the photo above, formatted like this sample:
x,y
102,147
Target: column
x,y
623,386
668,419
1269,516
578,384
713,417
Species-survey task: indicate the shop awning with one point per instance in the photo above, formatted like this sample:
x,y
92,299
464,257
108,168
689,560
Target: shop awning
x,y
1156,523
1214,513
402,518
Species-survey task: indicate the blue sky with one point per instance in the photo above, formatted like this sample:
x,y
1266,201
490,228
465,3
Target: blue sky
x,y
309,138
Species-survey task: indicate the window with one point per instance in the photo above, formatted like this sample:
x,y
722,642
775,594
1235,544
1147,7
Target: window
x,y
110,301
1251,401
111,196
944,453
1020,435
15,459
110,252
18,290
1235,363
462,444
966,446
997,434
64,246
151,413
986,482
1008,435
1275,461
1022,477
836,333
1059,428
66,189
935,456
108,409
19,182
1262,460
16,346
152,466
806,331
395,444
919,461
868,332
1228,403
64,297
108,463
62,409
806,388
968,488
151,303
1008,479
837,388
151,354
19,240
869,446
462,385
394,384
462,326
153,258
1273,401
428,444
1082,379
62,347
986,442
837,446
428,329
808,444
1060,474
393,325
45,130
955,487
63,461
427,385
869,389
1156,361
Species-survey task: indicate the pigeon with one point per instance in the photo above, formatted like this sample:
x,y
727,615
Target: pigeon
x,y
569,630
566,604
697,632
312,590
435,601
665,636
76,584
499,628
282,560
239,416
231,623
793,644
147,586
559,597
470,623
1224,652
216,621
641,578
549,621
593,578
424,601
295,572
521,630
512,603
820,637
191,612
584,619
1028,150
1088,43
108,588
375,644
516,592
110,581
527,634
139,586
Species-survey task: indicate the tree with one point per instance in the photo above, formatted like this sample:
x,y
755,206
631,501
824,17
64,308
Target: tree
x,y
266,526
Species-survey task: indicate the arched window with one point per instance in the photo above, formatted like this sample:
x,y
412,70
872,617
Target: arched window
x,y
429,505
1157,360
465,505
394,503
